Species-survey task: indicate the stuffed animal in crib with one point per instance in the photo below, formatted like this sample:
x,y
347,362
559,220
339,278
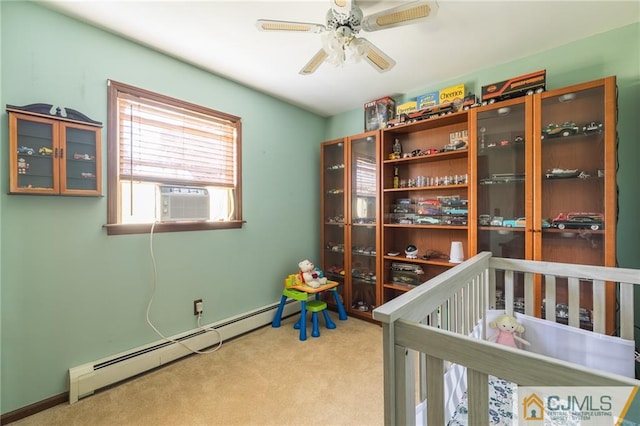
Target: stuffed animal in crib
x,y
507,326
309,275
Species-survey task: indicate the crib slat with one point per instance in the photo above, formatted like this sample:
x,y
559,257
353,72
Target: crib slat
x,y
626,311
550,297
478,398
574,302
599,317
404,387
529,290
435,390
491,276
508,292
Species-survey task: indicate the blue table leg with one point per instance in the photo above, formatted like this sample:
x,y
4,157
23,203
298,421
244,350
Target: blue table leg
x,y
342,314
303,320
276,320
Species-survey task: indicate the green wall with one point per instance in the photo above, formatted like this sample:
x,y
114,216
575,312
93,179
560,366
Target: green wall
x,y
70,293
616,53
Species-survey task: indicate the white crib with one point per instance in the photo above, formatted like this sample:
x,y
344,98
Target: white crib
x,y
428,328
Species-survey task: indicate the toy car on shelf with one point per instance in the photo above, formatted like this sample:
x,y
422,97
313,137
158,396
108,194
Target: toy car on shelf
x,y
86,157
557,173
429,207
484,220
455,211
497,221
455,146
521,222
592,127
503,178
428,220
579,220
456,220
25,150
522,85
45,150
553,130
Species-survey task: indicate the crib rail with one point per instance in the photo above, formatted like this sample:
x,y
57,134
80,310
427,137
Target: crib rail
x,y
427,328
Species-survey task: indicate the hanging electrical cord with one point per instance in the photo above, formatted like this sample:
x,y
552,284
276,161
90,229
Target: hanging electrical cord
x,y
153,292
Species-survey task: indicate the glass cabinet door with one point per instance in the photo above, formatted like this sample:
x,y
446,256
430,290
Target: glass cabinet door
x,y
502,188
80,158
363,208
572,169
333,213
35,155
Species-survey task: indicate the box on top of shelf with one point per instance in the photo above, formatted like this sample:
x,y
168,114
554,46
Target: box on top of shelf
x,y
428,100
406,107
452,94
515,87
378,113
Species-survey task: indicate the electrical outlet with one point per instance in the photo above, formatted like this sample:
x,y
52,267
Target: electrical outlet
x,y
197,307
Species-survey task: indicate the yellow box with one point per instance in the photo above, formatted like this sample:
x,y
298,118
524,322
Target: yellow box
x,y
451,94
406,108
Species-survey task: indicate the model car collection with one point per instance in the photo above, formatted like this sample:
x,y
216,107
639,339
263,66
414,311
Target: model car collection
x,y
446,210
575,220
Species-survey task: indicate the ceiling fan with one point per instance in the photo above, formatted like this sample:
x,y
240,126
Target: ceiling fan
x,y
345,20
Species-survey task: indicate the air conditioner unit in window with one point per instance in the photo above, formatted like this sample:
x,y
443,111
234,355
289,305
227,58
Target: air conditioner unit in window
x,y
182,203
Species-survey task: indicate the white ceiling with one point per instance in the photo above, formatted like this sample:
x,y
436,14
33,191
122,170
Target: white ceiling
x,y
464,36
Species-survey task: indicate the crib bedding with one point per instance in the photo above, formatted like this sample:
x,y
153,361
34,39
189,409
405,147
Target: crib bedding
x,y
547,338
503,402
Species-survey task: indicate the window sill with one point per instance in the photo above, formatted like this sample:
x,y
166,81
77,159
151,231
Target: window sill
x,y
145,228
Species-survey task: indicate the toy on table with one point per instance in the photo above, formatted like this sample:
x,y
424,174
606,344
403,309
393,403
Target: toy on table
x,y
507,327
309,275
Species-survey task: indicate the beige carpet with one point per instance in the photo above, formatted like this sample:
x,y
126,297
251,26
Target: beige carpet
x,y
267,377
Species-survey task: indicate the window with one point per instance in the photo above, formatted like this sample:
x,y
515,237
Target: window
x,y
171,164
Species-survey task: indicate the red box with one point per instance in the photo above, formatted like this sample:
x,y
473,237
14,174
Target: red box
x,y
378,113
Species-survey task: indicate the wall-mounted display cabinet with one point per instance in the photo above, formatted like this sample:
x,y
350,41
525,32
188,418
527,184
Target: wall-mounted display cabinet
x,y
544,182
53,151
350,225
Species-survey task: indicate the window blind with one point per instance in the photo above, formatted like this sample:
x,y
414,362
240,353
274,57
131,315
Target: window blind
x,y
164,143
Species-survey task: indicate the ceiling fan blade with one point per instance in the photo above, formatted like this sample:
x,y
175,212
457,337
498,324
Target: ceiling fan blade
x,y
376,57
314,63
402,15
341,7
289,26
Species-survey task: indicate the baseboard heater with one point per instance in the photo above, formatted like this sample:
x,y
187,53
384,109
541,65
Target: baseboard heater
x,y
85,379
